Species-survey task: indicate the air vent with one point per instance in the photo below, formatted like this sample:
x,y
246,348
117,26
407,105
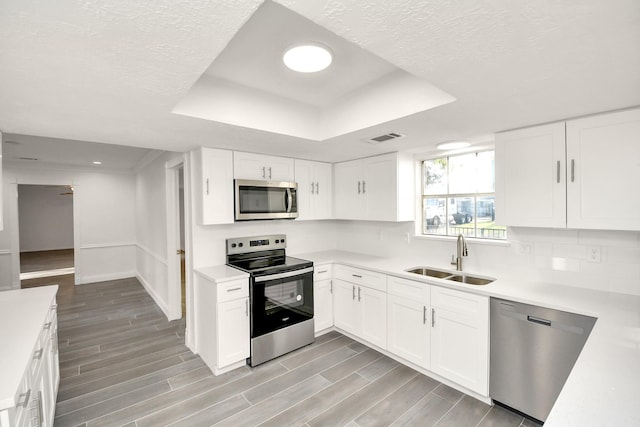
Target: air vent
x,y
383,138
27,158
12,142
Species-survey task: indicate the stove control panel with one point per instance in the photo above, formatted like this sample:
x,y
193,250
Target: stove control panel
x,y
241,245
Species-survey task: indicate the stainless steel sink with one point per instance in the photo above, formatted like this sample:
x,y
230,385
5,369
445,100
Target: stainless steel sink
x,y
448,275
440,274
470,280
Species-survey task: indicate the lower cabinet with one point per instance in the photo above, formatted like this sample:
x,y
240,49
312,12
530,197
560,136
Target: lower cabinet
x,y
222,322
460,338
322,297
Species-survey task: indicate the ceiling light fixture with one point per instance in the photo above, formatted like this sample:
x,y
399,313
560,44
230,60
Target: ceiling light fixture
x,y
308,58
97,163
452,145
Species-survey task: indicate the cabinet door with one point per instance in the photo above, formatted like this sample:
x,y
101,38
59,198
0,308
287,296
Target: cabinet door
x,y
380,183
460,338
323,191
322,305
279,169
347,190
603,157
217,186
306,189
374,316
408,330
233,331
531,177
346,311
249,166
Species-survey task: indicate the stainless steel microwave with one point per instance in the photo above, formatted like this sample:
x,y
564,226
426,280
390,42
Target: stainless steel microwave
x,y
265,200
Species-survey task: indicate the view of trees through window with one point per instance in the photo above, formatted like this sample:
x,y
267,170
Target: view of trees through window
x,y
458,196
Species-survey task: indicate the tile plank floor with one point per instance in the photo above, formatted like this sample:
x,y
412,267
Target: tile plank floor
x,y
123,364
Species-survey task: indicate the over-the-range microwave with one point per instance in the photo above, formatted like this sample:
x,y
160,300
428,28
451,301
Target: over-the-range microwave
x,y
265,200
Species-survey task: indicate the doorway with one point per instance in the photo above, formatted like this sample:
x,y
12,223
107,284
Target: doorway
x,y
181,239
177,239
46,240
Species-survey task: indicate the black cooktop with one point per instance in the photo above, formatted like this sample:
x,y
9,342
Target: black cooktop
x,y
267,262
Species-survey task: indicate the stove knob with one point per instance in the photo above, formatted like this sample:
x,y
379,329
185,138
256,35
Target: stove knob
x,y
277,241
240,245
233,245
282,241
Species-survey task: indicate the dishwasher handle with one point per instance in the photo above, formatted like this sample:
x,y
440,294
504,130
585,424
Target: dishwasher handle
x,y
539,320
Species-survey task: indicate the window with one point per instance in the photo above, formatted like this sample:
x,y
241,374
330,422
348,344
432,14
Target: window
x,y
458,196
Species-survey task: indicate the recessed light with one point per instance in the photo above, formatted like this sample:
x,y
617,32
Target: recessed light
x,y
97,163
452,145
308,58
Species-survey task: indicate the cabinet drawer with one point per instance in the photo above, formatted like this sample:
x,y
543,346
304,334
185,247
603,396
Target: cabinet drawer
x,y
233,289
362,277
415,291
322,272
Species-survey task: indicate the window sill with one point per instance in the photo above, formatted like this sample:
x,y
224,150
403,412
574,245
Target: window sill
x,y
475,241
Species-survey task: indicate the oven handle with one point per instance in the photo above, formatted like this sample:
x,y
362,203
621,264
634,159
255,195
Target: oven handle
x,y
283,275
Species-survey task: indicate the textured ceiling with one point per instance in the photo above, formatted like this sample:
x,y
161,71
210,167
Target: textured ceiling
x,y
111,71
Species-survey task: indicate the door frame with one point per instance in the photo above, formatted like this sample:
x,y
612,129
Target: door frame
x,y
172,189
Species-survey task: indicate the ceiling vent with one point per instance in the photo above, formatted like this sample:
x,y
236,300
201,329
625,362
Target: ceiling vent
x,y
27,158
383,138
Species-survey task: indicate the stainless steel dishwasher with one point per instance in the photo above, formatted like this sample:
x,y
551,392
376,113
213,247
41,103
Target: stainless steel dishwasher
x,y
533,350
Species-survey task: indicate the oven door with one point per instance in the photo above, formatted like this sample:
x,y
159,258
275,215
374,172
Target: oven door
x,y
281,300
265,200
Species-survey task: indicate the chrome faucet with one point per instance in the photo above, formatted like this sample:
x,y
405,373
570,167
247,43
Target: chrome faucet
x,y
461,247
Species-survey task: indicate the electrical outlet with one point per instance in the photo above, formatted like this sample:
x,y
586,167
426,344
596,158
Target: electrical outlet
x,y
593,254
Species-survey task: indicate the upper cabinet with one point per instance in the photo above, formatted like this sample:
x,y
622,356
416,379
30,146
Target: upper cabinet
x,y
315,189
261,167
571,174
376,188
214,183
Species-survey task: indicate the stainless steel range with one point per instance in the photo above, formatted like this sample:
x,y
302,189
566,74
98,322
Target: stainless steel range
x,y
281,295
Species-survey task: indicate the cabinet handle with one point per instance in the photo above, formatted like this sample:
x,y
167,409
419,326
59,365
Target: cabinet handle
x,y
359,191
322,271
573,169
54,307
38,354
433,317
24,396
357,275
269,172
312,188
317,188
264,172
330,286
233,289
246,307
354,292
47,326
558,171
364,188
207,184
359,289
424,314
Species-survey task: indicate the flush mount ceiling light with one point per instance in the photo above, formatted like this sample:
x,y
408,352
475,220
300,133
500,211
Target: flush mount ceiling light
x,y
97,163
452,145
308,58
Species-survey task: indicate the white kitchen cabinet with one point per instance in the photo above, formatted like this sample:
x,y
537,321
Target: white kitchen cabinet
x,y
214,185
460,338
408,316
261,167
222,322
603,162
315,189
360,304
376,188
530,177
322,297
571,175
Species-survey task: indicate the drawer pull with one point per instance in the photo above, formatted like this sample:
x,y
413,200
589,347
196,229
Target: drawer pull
x,y
357,275
47,326
233,289
54,307
322,271
24,396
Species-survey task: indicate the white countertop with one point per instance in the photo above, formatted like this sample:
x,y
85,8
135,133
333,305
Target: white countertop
x,y
221,273
22,315
603,388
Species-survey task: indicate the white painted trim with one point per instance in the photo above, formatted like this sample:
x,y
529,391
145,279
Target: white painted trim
x,y
5,251
17,165
154,256
188,243
173,236
104,277
106,245
153,295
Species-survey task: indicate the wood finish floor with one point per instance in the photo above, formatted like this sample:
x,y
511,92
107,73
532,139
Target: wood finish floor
x,y
123,364
45,260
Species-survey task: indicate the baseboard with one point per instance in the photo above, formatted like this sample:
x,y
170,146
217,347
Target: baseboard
x,y
82,280
154,295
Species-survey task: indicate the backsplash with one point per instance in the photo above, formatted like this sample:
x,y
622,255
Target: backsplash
x,y
594,259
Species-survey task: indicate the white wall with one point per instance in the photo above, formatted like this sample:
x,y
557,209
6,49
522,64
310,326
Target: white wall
x,y
45,217
104,222
534,254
